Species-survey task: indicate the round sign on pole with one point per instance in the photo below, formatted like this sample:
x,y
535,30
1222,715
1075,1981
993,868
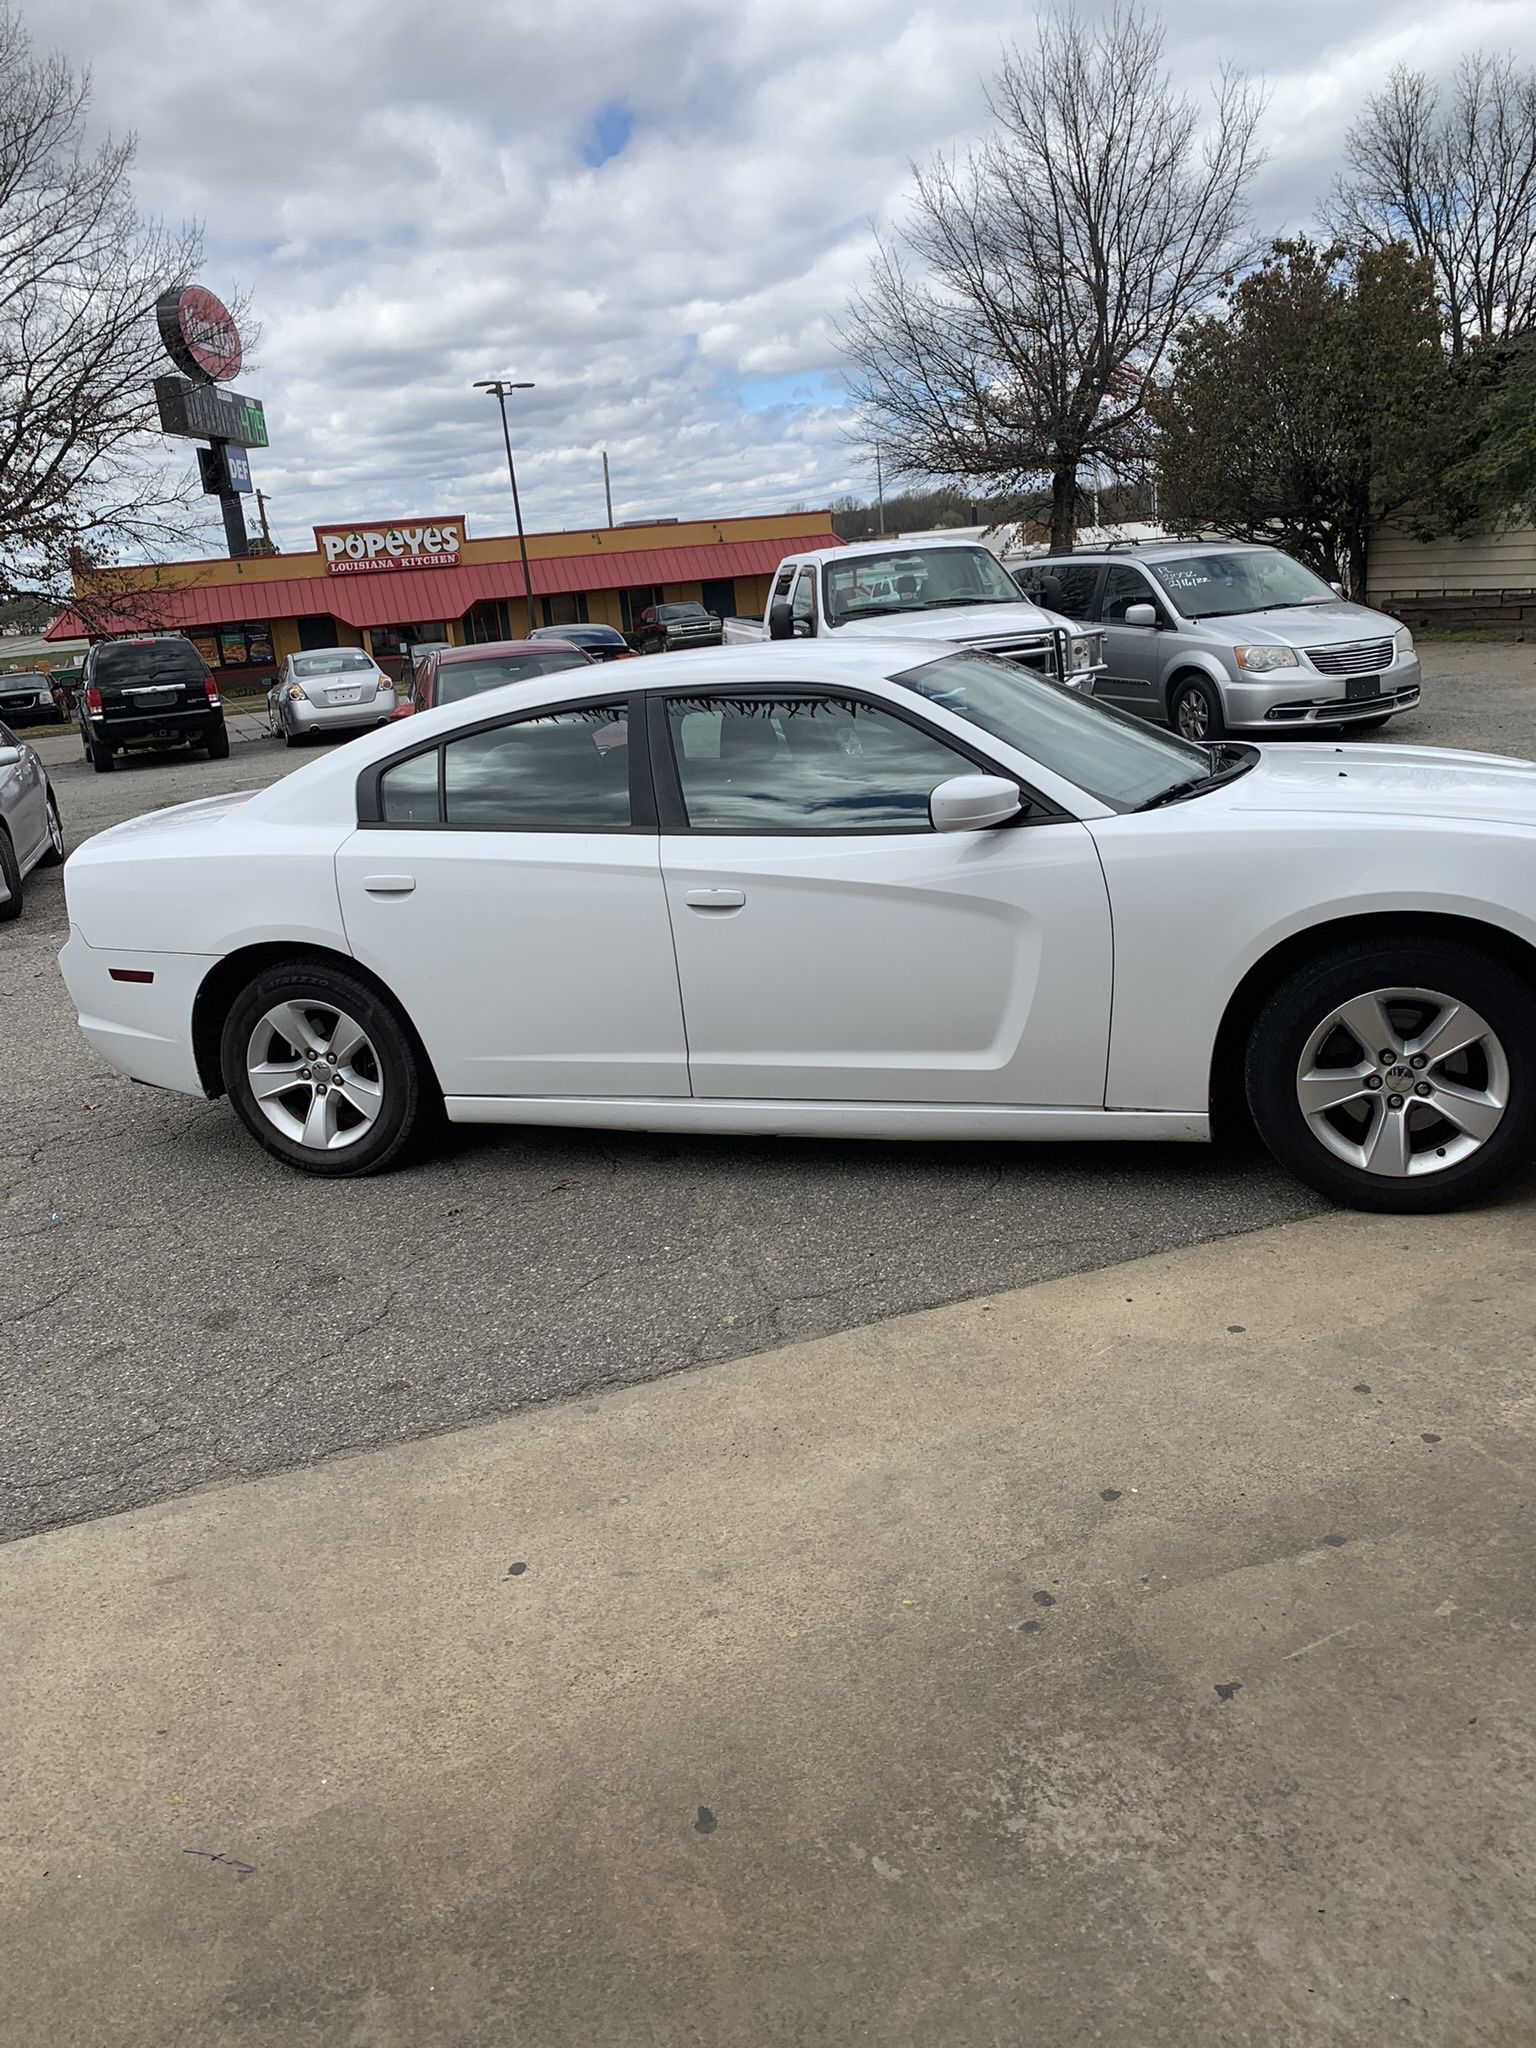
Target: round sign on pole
x,y
200,334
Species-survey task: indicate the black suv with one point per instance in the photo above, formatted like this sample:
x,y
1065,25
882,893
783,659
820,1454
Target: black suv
x,y
155,692
664,627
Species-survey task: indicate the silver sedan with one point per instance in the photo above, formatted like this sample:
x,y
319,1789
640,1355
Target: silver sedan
x,y
328,690
30,833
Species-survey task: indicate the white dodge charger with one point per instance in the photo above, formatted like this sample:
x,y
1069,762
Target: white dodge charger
x,y
865,891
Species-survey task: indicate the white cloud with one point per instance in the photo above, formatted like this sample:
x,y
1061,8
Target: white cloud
x,y
404,193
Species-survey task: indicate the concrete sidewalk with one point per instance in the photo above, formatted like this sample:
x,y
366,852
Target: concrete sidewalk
x,y
1145,1657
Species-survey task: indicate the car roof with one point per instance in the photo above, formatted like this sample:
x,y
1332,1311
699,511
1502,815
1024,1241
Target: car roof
x,y
1150,551
480,647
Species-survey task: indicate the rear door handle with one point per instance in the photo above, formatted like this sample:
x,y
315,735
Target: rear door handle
x,y
389,885
715,899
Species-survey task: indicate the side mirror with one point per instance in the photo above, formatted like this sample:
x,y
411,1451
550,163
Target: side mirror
x,y
781,620
9,756
1337,589
1141,615
970,803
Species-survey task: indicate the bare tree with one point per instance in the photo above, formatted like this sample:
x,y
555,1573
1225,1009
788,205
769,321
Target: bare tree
x,y
1013,331
84,478
1454,177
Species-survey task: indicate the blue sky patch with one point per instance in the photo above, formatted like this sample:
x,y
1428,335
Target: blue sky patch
x,y
608,136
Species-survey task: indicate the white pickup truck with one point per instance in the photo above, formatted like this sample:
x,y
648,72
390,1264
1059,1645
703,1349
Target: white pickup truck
x,y
953,590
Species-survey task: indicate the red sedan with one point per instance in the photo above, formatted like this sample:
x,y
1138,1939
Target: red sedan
x,y
450,674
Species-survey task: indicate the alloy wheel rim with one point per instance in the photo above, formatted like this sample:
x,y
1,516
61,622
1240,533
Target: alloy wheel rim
x,y
1402,1082
315,1075
55,828
1194,715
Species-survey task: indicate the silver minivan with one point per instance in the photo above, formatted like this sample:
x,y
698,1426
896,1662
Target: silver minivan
x,y
1219,637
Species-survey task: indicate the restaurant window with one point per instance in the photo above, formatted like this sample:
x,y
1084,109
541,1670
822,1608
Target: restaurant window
x,y
633,602
384,642
488,620
718,595
319,630
564,610
235,646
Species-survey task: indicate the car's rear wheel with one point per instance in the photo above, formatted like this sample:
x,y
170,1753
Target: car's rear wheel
x,y
100,757
10,874
218,745
1195,711
1398,1076
54,852
322,1070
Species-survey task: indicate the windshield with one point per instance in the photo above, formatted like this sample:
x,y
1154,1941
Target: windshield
x,y
457,680
681,611
1112,756
1256,580
338,662
915,580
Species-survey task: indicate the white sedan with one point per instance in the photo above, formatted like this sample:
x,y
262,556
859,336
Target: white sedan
x,y
875,891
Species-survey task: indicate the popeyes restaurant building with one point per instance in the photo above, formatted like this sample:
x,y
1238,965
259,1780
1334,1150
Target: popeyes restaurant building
x,y
384,586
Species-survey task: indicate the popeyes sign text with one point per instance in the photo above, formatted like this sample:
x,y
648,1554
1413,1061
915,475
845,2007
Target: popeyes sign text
x,y
361,550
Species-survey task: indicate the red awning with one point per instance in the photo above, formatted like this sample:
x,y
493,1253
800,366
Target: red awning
x,y
408,597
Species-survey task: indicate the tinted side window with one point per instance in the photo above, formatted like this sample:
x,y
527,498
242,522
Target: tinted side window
x,y
1065,587
408,791
1123,588
567,771
804,606
804,763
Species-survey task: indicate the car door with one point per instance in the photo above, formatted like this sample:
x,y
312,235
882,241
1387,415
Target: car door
x,y
831,946
23,798
506,884
1132,654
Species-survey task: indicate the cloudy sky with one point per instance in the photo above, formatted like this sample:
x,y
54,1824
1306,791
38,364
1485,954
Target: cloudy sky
x,y
655,209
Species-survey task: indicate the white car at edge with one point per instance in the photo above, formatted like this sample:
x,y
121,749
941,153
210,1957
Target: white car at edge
x,y
872,890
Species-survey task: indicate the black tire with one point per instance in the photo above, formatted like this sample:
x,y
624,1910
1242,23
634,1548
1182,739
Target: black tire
x,y
54,857
10,870
410,1094
292,739
218,746
100,757
1189,690
1300,1006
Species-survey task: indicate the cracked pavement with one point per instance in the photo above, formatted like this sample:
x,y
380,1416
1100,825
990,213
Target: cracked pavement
x,y
176,1308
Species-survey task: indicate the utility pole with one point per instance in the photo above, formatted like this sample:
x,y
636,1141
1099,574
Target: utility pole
x,y
261,512
501,387
607,487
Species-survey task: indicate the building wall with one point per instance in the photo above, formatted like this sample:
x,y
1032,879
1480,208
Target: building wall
x,y
1488,581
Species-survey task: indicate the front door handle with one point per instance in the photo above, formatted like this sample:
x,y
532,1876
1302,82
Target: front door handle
x,y
389,885
715,899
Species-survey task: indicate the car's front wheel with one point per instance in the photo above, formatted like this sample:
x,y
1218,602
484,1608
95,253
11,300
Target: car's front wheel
x,y
1396,1075
322,1070
1195,712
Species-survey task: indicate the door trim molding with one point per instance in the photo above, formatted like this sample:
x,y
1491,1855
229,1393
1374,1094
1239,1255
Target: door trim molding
x,y
799,1119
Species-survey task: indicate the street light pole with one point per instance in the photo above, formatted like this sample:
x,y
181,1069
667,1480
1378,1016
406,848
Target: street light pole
x,y
501,387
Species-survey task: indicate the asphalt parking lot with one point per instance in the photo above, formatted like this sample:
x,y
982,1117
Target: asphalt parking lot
x,y
175,1308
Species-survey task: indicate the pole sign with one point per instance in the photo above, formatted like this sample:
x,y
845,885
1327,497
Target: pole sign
x,y
204,412
370,550
224,469
200,334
